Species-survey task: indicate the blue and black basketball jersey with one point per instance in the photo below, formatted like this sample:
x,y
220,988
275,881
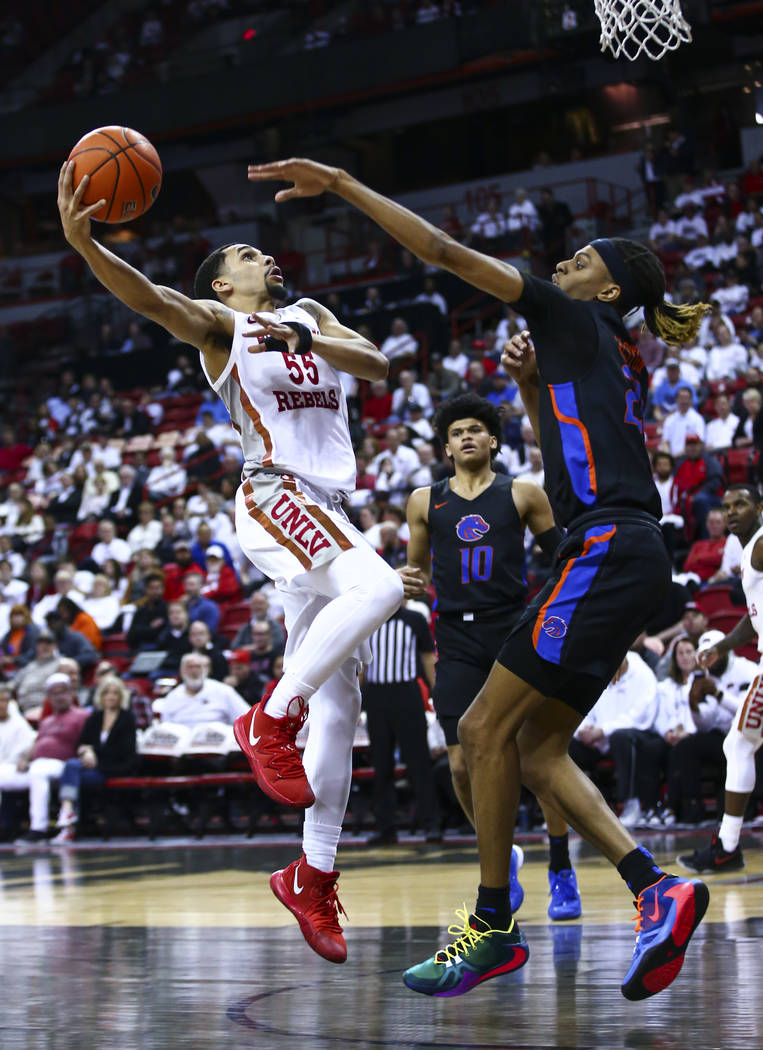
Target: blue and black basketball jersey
x,y
593,390
477,549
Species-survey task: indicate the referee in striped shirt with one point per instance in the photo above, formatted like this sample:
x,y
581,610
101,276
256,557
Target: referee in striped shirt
x,y
402,649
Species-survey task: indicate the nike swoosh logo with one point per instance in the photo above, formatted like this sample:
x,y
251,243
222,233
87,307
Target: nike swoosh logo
x,y
253,740
438,505
297,887
656,913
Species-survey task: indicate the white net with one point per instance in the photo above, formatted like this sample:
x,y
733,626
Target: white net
x,y
630,27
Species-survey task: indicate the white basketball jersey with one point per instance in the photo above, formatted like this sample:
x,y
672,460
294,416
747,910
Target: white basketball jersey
x,y
288,409
752,583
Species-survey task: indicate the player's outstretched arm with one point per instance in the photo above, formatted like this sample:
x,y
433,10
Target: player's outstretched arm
x,y
204,324
426,241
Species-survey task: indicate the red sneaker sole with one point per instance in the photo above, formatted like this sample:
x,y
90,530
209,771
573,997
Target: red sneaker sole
x,y
330,951
263,783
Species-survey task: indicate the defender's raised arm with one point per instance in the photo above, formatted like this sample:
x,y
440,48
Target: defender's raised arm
x,y
426,241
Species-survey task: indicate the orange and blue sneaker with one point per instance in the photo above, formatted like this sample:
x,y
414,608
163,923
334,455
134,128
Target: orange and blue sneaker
x,y
565,896
477,954
516,893
669,911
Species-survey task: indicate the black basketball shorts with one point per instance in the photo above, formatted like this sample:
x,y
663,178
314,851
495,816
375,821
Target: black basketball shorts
x,y
610,577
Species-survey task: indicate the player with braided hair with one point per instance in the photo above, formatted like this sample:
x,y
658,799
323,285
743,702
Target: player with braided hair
x,y
584,386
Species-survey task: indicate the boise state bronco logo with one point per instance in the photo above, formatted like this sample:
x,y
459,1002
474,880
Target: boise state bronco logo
x,y
555,627
472,527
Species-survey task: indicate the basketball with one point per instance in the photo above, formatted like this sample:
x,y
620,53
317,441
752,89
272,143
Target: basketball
x,y
124,169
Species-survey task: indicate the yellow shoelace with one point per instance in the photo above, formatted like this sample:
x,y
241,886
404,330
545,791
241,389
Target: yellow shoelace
x,y
466,939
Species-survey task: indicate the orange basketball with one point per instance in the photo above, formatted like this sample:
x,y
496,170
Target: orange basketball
x,y
124,169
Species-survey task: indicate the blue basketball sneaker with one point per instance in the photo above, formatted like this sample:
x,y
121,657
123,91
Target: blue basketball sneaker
x,y
516,893
669,912
477,954
565,895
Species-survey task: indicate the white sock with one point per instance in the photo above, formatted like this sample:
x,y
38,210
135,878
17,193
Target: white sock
x,y
730,831
280,703
319,842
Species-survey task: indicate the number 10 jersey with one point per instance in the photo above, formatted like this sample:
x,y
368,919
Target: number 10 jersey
x,y
288,409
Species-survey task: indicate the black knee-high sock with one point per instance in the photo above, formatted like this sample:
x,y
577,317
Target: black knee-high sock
x,y
559,853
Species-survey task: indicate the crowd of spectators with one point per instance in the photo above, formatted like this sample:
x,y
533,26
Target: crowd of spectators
x,y
116,505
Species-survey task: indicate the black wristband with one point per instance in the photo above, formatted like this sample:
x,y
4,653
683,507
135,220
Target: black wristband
x,y
549,540
304,346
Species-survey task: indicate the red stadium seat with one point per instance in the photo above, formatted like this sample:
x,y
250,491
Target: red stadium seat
x,y
233,617
739,465
726,619
714,598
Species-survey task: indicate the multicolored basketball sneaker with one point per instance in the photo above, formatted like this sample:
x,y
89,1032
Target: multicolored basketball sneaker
x,y
669,911
565,896
713,858
477,954
310,895
269,744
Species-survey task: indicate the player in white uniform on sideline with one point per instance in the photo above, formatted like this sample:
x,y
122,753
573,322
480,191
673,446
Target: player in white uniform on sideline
x,y
742,511
276,367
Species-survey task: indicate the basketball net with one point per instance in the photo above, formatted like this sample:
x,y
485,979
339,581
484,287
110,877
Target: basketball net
x,y
630,27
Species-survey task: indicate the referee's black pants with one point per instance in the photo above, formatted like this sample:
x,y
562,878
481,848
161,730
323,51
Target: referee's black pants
x,y
395,712
688,760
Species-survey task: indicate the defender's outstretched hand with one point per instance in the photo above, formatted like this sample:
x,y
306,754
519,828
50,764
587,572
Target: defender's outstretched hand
x,y
75,218
518,358
309,177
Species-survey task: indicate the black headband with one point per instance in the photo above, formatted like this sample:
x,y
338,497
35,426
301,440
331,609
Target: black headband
x,y
619,271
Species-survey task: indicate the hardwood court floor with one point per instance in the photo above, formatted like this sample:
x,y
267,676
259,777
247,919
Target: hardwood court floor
x,y
182,946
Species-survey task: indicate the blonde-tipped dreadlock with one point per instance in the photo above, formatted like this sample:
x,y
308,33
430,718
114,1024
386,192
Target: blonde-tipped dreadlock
x,y
674,324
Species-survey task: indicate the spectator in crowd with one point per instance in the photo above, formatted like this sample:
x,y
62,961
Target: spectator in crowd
x,y
749,430
29,682
199,607
106,748
442,382
522,219
70,642
690,225
714,698
220,584
125,500
102,604
377,404
19,643
489,229
65,503
698,483
110,545
728,359
147,532
732,296
259,613
456,360
175,572
151,616
262,650
43,761
11,589
200,637
199,698
174,640
400,345
95,500
249,685
431,295
404,459
681,423
721,430
665,392
168,478
79,621
663,233
705,556
533,468
621,725
410,390
16,737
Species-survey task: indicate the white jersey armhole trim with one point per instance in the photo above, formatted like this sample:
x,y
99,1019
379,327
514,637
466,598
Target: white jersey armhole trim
x,y
217,383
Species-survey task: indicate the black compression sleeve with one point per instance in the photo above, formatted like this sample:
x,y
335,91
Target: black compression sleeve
x,y
303,346
549,540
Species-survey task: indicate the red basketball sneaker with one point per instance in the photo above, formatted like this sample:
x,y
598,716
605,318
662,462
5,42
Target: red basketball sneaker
x,y
269,745
310,895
